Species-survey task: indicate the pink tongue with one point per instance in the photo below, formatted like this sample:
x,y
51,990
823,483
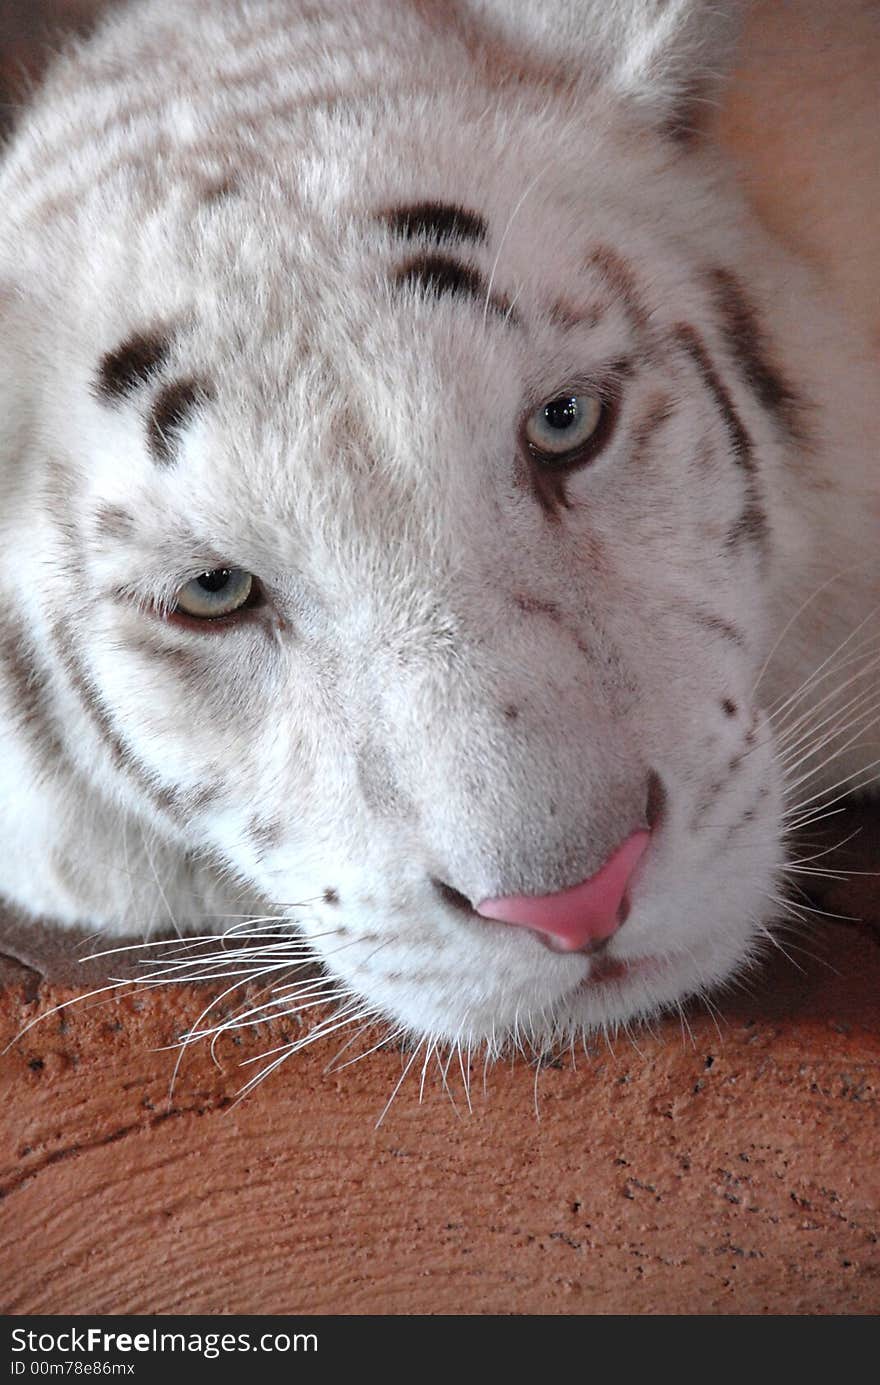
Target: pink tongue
x,y
585,913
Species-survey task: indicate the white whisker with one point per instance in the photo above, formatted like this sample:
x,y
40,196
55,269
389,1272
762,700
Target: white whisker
x,y
402,1078
510,220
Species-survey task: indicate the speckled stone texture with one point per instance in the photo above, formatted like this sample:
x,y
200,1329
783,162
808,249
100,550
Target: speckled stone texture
x,y
736,1172
730,1170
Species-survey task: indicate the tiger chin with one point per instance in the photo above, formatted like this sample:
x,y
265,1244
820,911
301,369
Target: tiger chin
x,y
437,522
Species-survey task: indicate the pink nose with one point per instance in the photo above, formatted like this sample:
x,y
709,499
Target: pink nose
x,y
586,913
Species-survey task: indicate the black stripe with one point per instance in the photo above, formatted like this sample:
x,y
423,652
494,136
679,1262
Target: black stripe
x,y
747,343
740,441
438,275
437,221
619,277
131,365
171,410
751,525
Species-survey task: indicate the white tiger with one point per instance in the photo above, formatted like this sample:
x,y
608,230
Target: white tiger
x,y
411,451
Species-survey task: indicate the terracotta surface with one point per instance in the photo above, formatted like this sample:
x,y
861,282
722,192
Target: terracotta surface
x,y
738,1173
732,1172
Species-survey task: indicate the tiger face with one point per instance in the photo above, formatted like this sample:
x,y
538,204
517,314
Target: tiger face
x,y
411,536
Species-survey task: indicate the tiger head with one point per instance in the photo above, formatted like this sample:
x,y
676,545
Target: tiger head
x,y
404,502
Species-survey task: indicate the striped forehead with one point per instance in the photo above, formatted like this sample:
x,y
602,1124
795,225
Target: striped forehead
x,y
438,251
436,221
136,366
438,237
444,240
435,255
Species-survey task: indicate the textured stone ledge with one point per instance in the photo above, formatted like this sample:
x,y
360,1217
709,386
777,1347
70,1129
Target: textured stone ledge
x,y
735,1174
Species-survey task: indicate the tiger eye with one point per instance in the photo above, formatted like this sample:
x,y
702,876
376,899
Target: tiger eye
x,y
560,429
220,592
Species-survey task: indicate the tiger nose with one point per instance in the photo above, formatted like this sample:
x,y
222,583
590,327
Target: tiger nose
x,y
586,913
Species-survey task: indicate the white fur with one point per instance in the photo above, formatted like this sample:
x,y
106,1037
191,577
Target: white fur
x,y
357,454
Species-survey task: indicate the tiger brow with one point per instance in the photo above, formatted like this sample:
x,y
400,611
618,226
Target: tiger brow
x,y
438,275
436,221
130,365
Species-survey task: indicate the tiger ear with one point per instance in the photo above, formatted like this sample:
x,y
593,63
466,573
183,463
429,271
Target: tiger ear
x,y
665,59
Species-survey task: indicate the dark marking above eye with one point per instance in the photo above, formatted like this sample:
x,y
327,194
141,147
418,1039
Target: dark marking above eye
x,y
171,410
437,221
438,275
748,344
619,277
728,707
131,365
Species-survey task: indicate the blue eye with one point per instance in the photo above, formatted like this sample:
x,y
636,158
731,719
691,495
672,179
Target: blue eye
x,y
563,426
217,593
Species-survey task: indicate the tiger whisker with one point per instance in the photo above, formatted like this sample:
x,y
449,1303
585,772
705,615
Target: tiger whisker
x,y
399,1083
